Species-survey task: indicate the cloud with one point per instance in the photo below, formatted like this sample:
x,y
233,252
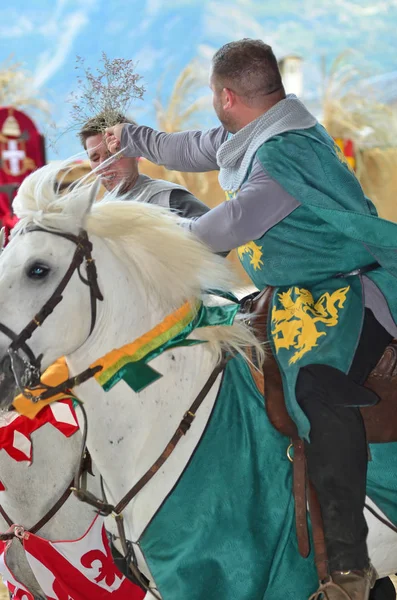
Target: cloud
x,y
220,19
51,61
115,27
353,8
147,58
206,52
153,7
21,27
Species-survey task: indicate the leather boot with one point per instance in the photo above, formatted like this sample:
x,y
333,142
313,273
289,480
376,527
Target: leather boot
x,y
349,585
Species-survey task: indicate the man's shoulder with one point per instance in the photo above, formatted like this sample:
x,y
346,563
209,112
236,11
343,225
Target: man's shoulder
x,y
297,137
293,147
186,204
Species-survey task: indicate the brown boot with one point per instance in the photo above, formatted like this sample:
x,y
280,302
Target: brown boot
x,y
349,585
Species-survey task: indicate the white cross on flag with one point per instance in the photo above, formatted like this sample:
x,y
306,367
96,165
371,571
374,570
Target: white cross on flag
x,y
13,156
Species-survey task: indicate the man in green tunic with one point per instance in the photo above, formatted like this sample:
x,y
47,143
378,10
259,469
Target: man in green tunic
x,y
303,225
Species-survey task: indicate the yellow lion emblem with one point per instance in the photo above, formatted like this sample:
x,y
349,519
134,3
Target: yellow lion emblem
x,y
254,252
252,249
294,326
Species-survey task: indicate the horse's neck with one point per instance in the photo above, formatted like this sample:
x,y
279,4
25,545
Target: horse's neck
x,y
128,431
31,491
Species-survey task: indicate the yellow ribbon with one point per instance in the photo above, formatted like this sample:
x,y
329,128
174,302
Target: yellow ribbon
x,y
53,376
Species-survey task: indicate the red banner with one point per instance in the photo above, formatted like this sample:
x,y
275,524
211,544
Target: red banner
x,y
347,147
21,152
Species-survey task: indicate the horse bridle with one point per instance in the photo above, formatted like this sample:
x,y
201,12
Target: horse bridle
x,y
30,380
85,467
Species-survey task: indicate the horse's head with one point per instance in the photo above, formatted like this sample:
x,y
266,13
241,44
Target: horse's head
x,y
145,261
32,267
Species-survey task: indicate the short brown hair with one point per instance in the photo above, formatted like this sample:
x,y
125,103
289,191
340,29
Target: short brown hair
x,y
99,123
248,67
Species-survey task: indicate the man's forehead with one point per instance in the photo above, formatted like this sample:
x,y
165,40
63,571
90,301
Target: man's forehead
x,y
94,143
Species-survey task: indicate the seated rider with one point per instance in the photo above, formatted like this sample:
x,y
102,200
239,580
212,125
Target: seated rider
x,y
302,224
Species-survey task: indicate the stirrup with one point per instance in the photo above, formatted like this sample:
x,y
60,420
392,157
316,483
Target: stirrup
x,y
321,593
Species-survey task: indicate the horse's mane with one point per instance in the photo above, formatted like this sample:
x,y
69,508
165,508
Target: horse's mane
x,y
173,265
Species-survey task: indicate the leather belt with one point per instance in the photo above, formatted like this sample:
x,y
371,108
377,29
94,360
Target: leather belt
x,y
359,271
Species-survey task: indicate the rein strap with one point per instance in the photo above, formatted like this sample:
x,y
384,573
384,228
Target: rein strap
x,y
183,428
86,468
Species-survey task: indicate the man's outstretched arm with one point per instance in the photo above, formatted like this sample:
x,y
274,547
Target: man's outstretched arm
x,y
260,204
191,151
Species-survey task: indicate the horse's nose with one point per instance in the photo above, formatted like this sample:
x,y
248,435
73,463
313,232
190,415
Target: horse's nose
x,y
12,369
8,386
5,367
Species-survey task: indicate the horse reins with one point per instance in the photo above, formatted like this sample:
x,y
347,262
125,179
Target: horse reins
x,y
31,378
85,466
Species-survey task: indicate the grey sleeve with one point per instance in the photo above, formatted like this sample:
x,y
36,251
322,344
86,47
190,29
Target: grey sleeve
x,y
189,151
187,205
260,204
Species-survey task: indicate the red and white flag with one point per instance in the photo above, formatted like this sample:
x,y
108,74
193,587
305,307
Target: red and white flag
x,y
82,569
16,429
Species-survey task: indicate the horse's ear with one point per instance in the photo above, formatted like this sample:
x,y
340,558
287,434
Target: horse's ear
x,y
84,208
93,194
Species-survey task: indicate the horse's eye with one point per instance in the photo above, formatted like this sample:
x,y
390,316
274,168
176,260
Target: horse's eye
x,y
37,271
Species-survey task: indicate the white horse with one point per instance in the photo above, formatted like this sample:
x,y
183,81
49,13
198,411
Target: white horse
x,y
216,520
32,490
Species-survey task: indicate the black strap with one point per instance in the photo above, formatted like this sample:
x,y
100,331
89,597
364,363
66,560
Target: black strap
x,y
47,517
85,467
359,271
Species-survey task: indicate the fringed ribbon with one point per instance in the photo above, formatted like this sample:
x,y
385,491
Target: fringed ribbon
x,y
130,362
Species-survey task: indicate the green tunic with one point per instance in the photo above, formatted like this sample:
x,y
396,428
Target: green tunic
x,y
227,530
316,317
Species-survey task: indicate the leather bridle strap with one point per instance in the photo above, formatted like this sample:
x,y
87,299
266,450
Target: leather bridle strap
x,y
53,510
83,251
182,430
19,342
13,336
188,418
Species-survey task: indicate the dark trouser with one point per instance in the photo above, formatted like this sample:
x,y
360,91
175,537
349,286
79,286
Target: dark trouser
x,y
383,590
337,453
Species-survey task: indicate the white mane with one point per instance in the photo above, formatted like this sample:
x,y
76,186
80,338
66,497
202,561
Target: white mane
x,y
173,265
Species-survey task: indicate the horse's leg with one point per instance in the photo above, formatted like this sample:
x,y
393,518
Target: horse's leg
x,y
383,590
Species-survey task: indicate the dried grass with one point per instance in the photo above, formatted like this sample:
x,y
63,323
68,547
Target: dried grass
x,y
351,111
17,89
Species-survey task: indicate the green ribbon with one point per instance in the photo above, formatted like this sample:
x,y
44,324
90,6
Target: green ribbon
x,y
139,375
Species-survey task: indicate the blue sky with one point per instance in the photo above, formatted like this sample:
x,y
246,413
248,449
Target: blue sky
x,y
164,35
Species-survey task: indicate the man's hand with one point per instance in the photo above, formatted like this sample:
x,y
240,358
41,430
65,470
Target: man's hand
x,y
113,138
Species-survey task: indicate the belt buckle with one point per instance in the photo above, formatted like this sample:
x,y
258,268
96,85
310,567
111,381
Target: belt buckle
x,y
349,273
